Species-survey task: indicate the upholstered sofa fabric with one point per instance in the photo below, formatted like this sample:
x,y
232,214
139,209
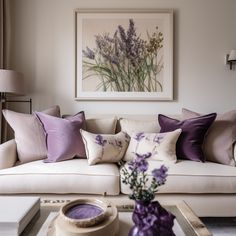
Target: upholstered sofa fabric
x,y
101,125
72,176
194,177
133,126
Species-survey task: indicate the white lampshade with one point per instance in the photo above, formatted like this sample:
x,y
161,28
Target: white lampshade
x,y
232,55
11,82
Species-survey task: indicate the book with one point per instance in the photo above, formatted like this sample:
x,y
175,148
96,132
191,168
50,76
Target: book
x,y
16,213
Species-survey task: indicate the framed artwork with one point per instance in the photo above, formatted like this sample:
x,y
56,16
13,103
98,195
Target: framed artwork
x,y
123,54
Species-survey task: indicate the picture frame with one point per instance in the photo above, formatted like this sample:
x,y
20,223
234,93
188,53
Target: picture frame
x,y
123,54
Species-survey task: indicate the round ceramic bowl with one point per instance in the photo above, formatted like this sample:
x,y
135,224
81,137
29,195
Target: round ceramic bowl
x,y
84,212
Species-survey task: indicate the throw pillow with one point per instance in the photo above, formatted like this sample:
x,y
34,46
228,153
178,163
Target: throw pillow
x,y
134,126
63,136
219,142
162,146
102,148
29,134
189,144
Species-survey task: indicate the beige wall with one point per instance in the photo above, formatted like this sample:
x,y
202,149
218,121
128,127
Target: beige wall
x,y
43,49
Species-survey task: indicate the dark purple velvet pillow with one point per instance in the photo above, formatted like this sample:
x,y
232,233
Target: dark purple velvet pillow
x,y
63,136
189,144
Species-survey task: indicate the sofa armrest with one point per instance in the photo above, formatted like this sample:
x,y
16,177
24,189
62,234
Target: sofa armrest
x,y
8,155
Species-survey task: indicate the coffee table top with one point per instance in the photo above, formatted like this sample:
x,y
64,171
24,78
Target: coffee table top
x,y
186,223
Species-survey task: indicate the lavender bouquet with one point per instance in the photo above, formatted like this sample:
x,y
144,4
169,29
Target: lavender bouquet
x,y
149,217
125,62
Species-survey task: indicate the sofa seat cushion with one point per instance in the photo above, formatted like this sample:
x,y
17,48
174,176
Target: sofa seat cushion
x,y
72,176
194,177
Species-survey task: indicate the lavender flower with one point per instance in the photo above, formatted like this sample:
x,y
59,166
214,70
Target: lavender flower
x,y
160,174
118,143
100,141
122,33
139,136
158,138
89,53
139,165
124,61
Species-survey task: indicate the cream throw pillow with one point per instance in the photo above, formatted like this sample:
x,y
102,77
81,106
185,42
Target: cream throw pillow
x,y
29,134
162,146
102,148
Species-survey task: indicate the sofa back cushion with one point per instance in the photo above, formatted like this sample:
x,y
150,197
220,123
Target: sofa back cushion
x,y
29,134
134,126
101,125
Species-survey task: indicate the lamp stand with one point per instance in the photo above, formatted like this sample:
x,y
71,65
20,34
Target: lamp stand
x,y
4,101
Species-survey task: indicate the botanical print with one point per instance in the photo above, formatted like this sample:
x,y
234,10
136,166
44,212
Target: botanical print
x,y
146,139
125,61
123,55
113,144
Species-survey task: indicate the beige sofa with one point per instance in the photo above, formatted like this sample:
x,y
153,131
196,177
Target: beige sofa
x,y
209,188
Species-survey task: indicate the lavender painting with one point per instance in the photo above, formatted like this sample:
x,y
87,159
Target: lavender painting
x,y
124,56
125,62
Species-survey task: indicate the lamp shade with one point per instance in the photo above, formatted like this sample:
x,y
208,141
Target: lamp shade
x,y
11,82
232,55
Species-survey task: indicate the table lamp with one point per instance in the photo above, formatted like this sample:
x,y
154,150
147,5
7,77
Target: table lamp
x,y
11,83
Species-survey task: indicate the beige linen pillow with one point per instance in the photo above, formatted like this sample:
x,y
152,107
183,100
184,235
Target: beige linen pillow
x,y
219,141
101,125
102,148
162,146
134,126
29,134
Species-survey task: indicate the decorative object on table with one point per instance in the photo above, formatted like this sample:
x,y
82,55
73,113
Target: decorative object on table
x,y
124,54
11,82
16,213
149,217
84,213
87,217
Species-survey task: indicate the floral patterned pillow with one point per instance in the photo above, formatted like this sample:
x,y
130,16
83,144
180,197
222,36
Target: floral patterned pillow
x,y
102,148
161,146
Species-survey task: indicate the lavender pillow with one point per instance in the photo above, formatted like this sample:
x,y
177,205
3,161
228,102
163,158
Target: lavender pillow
x,y
63,136
189,144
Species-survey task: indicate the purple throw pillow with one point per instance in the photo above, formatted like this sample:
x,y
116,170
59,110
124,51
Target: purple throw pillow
x,y
63,136
189,144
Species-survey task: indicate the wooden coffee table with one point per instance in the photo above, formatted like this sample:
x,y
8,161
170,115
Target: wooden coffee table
x,y
186,223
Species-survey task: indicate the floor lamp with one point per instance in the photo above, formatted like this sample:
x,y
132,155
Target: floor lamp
x,y
11,82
